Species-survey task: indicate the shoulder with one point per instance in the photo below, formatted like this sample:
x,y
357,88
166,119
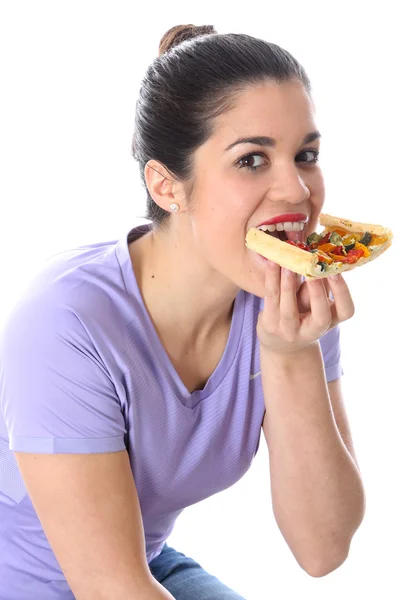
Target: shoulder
x,y
78,291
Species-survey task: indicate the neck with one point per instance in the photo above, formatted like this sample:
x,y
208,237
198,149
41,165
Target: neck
x,y
185,297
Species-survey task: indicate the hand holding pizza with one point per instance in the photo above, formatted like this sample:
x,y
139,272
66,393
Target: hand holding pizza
x,y
293,318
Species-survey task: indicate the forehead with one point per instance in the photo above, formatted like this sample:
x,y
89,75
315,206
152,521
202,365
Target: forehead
x,y
278,110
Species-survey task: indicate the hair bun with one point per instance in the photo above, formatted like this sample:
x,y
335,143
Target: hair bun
x,y
181,33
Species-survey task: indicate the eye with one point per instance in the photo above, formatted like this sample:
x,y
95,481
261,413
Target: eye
x,y
308,156
252,162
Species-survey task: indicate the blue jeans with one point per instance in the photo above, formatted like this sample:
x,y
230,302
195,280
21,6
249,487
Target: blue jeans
x,y
185,579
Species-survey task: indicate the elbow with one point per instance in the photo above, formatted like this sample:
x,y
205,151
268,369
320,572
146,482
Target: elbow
x,y
324,565
328,557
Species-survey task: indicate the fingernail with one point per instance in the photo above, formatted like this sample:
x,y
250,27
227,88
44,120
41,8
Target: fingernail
x,y
334,276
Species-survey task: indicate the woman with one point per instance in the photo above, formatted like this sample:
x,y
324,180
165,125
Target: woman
x,y
136,376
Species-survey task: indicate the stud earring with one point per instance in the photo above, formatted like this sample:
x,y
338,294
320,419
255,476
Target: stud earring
x,y
174,207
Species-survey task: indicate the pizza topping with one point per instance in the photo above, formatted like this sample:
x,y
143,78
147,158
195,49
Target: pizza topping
x,y
327,247
349,246
325,239
352,238
336,239
323,257
377,240
365,250
366,239
299,244
328,238
339,250
333,248
352,256
314,238
342,232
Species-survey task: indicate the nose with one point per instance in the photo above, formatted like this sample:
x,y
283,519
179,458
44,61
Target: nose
x,y
288,186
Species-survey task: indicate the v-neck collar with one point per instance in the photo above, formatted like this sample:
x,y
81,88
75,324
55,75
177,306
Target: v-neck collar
x,y
188,399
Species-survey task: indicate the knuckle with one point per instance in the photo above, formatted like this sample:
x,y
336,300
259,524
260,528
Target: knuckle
x,y
290,337
289,333
289,316
267,326
271,295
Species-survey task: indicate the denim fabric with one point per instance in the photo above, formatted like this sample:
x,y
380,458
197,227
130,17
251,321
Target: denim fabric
x,y
185,579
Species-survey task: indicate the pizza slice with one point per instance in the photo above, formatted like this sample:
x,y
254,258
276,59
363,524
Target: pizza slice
x,y
341,246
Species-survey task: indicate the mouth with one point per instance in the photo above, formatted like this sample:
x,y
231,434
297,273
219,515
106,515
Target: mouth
x,y
285,227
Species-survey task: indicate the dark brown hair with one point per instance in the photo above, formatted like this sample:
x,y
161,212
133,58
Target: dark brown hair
x,y
195,78
181,33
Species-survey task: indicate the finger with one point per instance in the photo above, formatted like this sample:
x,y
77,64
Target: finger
x,y
289,312
298,281
320,315
271,293
343,306
303,297
325,281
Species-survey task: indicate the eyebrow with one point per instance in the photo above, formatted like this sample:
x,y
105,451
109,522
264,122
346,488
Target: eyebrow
x,y
271,142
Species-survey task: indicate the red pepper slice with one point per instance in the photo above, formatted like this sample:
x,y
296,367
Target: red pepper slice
x,y
300,245
325,239
352,256
355,254
338,251
304,246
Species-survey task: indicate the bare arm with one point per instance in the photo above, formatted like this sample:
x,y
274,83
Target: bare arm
x,y
90,512
317,491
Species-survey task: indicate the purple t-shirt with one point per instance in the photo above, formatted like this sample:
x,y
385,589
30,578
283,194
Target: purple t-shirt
x,y
82,370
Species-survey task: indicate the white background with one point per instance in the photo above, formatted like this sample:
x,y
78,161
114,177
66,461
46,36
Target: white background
x,y
70,76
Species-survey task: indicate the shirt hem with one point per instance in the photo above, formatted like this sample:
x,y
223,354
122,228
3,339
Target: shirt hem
x,y
333,372
66,445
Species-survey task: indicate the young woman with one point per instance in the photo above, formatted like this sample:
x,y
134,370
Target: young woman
x,y
137,375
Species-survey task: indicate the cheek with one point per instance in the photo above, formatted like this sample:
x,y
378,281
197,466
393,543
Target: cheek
x,y
227,200
317,198
317,188
219,227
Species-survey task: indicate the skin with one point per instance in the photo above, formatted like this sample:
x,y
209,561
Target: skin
x,y
190,275
194,300
230,198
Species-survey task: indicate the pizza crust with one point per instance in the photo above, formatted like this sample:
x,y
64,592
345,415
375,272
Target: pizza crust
x,y
285,255
304,262
352,226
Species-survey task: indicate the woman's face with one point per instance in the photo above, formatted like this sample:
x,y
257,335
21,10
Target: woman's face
x,y
259,163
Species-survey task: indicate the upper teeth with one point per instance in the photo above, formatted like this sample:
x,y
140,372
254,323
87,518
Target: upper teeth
x,y
286,226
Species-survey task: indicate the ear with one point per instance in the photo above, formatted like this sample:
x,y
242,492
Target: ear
x,y
163,187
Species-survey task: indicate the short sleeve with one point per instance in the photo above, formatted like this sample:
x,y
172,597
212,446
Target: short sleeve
x,y
56,394
330,346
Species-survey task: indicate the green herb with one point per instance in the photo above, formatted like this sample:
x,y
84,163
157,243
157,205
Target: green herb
x,y
336,239
314,238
